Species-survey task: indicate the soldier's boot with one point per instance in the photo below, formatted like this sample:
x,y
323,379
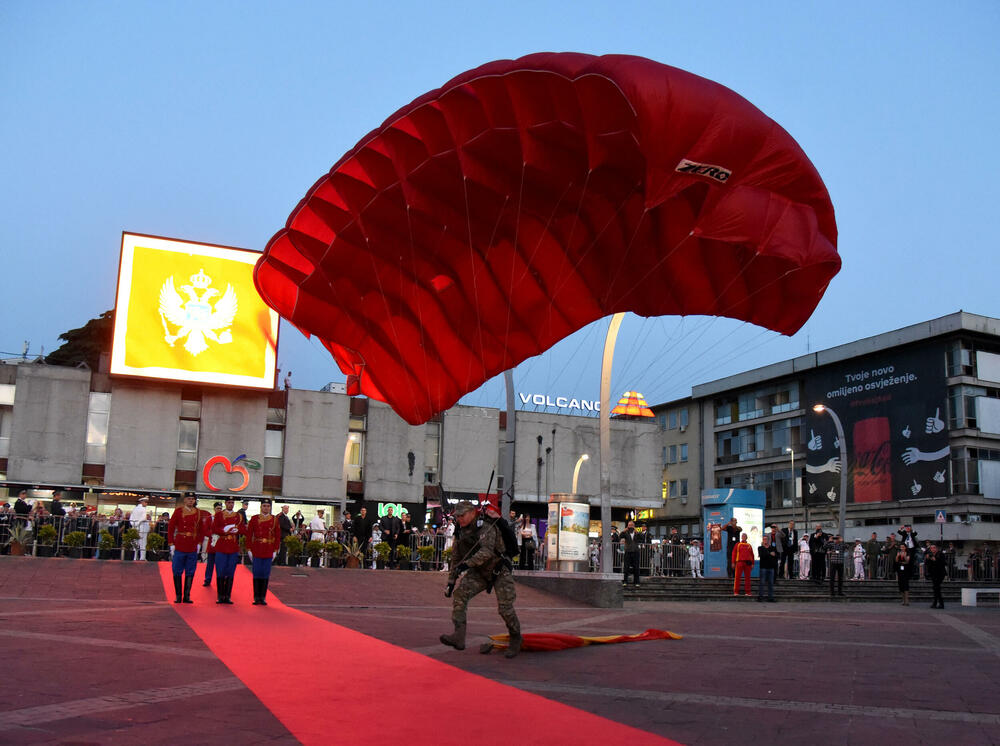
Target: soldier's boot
x,y
177,588
220,590
188,582
256,592
229,590
263,590
514,646
456,639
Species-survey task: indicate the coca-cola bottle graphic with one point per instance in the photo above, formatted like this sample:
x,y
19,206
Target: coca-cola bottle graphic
x,y
872,473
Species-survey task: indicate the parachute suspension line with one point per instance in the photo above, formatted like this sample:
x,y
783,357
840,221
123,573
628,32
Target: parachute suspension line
x,y
587,344
594,241
392,324
475,282
678,358
739,350
420,313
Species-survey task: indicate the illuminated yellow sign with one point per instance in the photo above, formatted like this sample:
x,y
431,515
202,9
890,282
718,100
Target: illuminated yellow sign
x,y
190,312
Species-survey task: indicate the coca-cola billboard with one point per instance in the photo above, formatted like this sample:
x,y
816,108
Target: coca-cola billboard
x,y
892,409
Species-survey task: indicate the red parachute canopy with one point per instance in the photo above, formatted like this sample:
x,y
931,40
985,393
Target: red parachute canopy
x,y
488,219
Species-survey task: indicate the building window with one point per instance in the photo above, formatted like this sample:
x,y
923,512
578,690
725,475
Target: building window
x,y
673,488
662,419
673,455
98,413
432,452
187,435
683,417
274,449
6,417
671,420
684,488
684,452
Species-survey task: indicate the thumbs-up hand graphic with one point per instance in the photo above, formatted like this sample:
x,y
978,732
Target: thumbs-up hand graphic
x,y
934,424
915,489
815,441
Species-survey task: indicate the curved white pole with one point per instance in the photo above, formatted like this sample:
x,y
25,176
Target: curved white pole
x,y
609,352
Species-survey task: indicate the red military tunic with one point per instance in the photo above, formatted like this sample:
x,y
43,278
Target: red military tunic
x,y
186,529
228,543
263,535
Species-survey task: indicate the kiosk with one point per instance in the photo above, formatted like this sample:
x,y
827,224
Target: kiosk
x,y
717,508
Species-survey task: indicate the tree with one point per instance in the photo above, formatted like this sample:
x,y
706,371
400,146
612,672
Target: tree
x,y
85,345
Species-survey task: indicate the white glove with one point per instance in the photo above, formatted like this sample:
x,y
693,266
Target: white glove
x,y
215,538
251,554
171,551
231,528
274,556
204,556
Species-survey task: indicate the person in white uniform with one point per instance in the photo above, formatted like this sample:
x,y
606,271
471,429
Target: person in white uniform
x,y
140,521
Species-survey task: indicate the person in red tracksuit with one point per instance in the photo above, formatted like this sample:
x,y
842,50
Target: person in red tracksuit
x,y
743,559
187,528
227,526
263,539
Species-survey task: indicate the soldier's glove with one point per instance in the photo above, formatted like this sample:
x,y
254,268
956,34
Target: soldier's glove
x,y
462,567
171,551
450,589
505,561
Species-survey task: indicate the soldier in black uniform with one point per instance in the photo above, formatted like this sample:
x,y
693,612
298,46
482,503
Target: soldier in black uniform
x,y
478,553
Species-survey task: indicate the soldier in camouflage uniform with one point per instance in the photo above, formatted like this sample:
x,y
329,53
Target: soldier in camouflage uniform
x,y
478,552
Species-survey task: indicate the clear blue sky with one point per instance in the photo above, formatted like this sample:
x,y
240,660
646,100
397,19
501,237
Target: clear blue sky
x,y
209,120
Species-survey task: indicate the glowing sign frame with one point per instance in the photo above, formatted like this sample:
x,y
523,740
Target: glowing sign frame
x,y
269,347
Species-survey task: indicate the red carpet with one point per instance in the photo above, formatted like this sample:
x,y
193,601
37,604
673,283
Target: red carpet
x,y
327,684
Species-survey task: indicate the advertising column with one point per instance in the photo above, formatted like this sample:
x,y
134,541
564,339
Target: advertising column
x,y
718,507
567,537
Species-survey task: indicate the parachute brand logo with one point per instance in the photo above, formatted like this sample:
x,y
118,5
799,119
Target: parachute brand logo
x,y
718,173
196,318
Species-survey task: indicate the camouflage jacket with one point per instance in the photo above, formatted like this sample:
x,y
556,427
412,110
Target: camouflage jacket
x,y
479,547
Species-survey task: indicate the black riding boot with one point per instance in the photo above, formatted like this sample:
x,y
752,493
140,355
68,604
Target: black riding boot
x,y
188,582
256,592
177,588
263,590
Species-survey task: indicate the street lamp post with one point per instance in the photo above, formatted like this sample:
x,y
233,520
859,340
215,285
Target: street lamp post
x,y
790,450
819,409
576,469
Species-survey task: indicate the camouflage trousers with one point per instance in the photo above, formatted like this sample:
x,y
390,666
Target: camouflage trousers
x,y
472,584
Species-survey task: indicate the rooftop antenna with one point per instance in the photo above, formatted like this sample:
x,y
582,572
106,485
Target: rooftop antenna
x,y
24,350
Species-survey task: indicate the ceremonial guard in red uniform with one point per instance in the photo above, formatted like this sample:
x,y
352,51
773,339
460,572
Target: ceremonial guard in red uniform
x,y
227,525
263,539
210,549
185,532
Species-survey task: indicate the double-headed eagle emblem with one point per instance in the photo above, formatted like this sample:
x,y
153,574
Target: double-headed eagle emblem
x,y
196,317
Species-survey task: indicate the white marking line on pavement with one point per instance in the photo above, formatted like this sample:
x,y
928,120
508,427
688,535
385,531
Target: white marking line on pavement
x,y
32,716
117,644
984,718
84,610
825,642
984,638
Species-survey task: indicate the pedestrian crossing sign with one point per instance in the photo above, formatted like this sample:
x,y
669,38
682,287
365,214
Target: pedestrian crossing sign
x,y
940,516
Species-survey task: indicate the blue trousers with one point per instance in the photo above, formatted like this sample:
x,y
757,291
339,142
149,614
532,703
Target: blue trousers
x,y
262,567
766,578
225,564
184,562
209,566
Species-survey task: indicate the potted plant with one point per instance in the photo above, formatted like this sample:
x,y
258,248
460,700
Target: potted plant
x,y
106,546
314,547
75,541
382,550
426,557
130,537
403,554
45,541
293,549
334,551
154,547
19,537
354,555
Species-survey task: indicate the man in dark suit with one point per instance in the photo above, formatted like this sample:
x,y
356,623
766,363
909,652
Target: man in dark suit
x,y
791,542
362,529
733,532
391,528
21,506
285,526
817,548
908,538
